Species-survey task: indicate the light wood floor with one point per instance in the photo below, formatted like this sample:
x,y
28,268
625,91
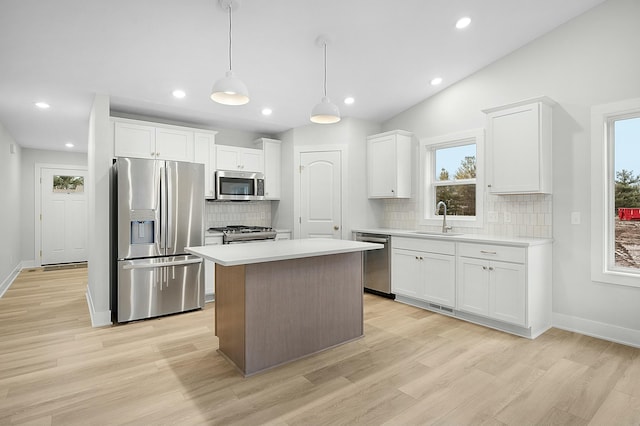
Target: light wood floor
x,y
412,367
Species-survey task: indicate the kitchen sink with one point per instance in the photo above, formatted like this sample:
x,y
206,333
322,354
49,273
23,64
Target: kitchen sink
x,y
442,234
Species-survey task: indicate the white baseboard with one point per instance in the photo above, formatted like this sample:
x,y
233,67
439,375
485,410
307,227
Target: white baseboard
x,y
98,318
6,283
612,333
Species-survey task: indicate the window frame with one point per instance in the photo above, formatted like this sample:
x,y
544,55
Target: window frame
x,y
603,267
428,181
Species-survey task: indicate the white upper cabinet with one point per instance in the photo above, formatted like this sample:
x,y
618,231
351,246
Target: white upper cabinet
x,y
271,154
205,153
519,147
389,164
141,139
238,158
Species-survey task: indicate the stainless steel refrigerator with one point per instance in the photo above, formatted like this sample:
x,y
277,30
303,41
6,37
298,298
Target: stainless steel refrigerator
x,y
158,210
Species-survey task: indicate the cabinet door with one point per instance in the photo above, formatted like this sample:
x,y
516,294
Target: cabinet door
x,y
382,164
252,160
134,140
439,272
473,286
514,141
205,153
406,274
174,144
272,170
227,158
508,292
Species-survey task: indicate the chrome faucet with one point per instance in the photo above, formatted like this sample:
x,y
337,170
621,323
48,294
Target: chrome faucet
x,y
445,228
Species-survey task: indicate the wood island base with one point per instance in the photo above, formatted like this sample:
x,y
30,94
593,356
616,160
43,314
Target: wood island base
x,y
271,313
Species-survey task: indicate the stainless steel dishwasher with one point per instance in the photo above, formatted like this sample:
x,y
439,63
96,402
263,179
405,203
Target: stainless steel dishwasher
x,y
377,265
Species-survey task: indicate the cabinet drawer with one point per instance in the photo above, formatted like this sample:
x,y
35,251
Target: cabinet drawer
x,y
492,252
423,244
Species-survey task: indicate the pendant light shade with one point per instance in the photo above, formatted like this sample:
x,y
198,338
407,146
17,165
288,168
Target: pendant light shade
x,y
229,90
325,112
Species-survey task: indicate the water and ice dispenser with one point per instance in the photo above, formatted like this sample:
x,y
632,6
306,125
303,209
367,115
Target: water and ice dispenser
x,y
143,225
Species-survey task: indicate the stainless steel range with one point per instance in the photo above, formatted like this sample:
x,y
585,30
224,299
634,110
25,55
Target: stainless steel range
x,y
245,234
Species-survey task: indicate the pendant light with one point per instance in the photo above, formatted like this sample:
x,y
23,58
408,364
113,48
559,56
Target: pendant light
x,y
230,90
325,112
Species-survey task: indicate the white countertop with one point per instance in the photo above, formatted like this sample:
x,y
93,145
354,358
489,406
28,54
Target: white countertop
x,y
270,251
471,238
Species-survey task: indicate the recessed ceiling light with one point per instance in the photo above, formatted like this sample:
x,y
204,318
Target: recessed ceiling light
x,y
178,94
349,100
463,22
266,111
43,105
436,81
69,145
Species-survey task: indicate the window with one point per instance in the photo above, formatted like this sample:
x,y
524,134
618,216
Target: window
x,y
451,171
615,209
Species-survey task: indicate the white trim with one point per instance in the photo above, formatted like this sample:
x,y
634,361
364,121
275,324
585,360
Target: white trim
x,y
37,229
453,139
600,330
601,188
297,150
98,318
4,286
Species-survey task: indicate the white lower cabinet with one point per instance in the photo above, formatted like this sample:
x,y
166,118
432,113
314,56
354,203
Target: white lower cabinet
x,y
492,289
424,270
500,286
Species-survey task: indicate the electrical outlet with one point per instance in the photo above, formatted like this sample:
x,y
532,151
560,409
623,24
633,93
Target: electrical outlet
x,y
492,217
575,218
507,217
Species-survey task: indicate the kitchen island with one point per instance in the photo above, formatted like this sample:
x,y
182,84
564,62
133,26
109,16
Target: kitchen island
x,y
283,300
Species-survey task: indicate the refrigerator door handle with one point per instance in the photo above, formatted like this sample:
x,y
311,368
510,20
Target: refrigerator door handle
x,y
162,265
163,209
169,206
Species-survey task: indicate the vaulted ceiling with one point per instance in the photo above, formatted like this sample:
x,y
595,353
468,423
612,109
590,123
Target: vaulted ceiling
x,y
383,54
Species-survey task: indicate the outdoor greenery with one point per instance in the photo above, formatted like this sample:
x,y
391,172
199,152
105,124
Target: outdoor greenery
x,y
627,191
460,199
68,183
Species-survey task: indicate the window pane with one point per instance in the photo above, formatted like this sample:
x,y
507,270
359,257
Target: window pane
x,y
458,162
460,199
68,184
627,192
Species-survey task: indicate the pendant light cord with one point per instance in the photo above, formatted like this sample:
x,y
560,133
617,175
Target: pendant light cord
x,y
230,43
325,70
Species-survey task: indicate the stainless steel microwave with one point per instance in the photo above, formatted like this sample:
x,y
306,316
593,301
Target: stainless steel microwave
x,y
239,186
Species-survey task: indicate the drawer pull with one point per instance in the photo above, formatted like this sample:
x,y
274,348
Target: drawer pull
x,y
488,252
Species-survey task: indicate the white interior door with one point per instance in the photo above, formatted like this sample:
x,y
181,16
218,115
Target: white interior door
x,y
321,194
63,220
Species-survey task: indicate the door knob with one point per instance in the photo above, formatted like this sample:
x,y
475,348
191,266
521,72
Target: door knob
x,y
336,227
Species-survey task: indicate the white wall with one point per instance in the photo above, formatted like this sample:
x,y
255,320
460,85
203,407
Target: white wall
x,y
10,215
590,60
360,211
99,159
31,157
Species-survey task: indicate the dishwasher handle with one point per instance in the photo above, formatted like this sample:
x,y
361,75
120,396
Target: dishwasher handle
x,y
367,239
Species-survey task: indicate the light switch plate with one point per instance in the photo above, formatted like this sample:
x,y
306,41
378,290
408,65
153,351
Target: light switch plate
x,y
507,217
492,217
575,218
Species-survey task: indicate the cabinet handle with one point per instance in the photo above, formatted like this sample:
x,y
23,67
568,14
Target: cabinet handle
x,y
392,191
484,268
489,186
491,268
488,252
153,154
157,154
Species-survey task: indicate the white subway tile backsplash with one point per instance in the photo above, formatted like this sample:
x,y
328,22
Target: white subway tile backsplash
x,y
531,215
253,213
